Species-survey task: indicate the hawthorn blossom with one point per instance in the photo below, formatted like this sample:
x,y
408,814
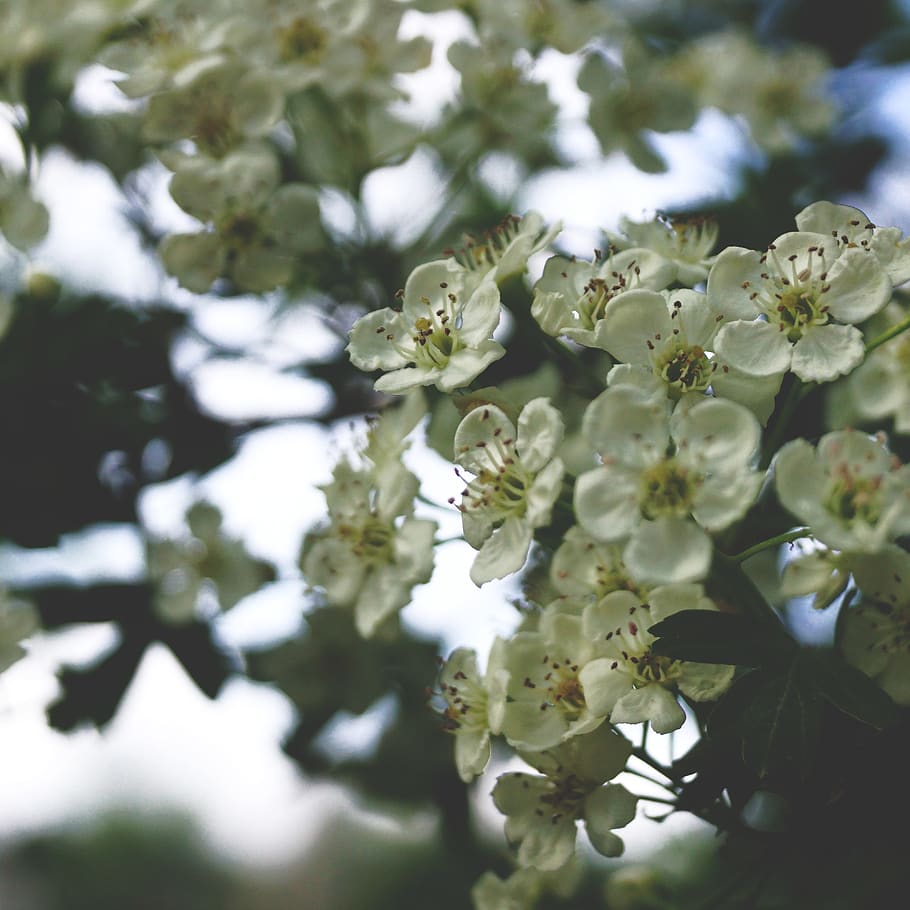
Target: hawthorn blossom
x,y
504,250
666,478
629,684
688,244
542,811
475,706
850,490
206,561
373,550
517,480
851,229
572,295
583,565
875,635
545,703
808,289
672,334
442,336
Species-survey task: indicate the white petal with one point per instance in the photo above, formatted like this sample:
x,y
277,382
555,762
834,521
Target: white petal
x,y
705,682
540,431
370,347
726,294
827,351
755,347
543,493
651,703
603,685
630,321
480,314
607,808
859,286
667,551
715,434
503,552
472,752
622,423
606,502
466,365
476,432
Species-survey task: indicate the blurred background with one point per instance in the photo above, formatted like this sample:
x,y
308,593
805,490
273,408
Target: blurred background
x,y
190,725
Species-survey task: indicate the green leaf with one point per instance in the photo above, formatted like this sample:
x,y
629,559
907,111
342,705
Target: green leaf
x,y
782,723
850,690
722,638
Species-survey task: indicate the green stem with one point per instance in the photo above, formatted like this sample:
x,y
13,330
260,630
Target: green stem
x,y
888,334
786,537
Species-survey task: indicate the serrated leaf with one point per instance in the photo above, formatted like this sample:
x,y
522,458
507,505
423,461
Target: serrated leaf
x,y
721,638
782,723
850,690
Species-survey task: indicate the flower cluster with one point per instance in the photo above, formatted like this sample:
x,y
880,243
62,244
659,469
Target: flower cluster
x,y
620,507
373,550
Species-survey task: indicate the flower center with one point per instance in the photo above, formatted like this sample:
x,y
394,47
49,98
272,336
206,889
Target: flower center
x,y
598,292
853,498
500,488
562,688
667,489
792,299
685,369
372,542
484,252
302,39
435,336
467,705
564,798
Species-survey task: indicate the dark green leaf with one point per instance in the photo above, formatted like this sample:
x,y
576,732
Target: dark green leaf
x,y
850,690
721,638
782,723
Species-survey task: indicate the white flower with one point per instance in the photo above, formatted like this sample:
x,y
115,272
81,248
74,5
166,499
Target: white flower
x,y
504,250
546,703
780,93
583,565
626,681
373,550
875,636
541,812
822,573
688,244
517,480
259,227
181,568
524,887
572,295
218,104
801,285
672,335
879,387
666,477
851,491
441,337
629,101
475,706
851,229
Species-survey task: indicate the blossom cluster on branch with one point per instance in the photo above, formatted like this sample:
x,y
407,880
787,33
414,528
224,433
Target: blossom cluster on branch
x,y
702,362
